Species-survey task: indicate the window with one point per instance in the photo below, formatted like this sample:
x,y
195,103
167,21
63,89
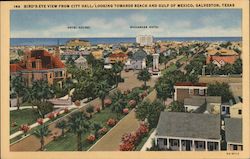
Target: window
x,y
200,144
201,92
240,111
191,91
33,65
175,142
223,108
234,147
165,141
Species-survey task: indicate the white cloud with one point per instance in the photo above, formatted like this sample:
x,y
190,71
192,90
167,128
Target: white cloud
x,y
138,18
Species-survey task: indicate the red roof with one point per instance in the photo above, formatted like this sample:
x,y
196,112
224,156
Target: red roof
x,y
190,84
15,68
226,59
118,55
56,62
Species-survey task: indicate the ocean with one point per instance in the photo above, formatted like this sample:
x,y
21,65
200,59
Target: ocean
x,y
54,41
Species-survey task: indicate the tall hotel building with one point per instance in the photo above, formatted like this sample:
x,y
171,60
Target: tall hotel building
x,y
144,40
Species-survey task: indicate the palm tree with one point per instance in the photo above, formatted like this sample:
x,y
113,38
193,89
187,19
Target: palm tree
x,y
29,96
145,76
90,110
18,87
96,127
42,90
42,133
117,68
78,125
102,89
61,125
117,108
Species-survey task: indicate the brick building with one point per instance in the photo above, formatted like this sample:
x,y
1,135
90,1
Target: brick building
x,y
39,65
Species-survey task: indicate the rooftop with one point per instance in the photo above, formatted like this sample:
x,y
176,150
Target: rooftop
x,y
222,52
233,130
190,84
189,125
194,102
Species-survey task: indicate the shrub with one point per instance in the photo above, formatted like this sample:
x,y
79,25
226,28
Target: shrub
x,y
103,131
51,115
126,147
143,129
107,101
25,128
130,140
132,103
125,111
40,121
98,109
111,122
91,138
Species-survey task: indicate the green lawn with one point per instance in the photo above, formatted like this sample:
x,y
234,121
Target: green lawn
x,y
68,143
24,116
143,140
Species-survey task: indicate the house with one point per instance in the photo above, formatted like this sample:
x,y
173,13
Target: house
x,y
178,131
232,110
98,54
39,65
233,133
118,57
81,63
137,61
187,89
221,57
203,104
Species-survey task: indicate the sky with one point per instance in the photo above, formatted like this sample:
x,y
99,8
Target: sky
x,y
116,23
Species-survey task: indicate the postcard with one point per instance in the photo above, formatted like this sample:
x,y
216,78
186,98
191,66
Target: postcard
x,y
125,79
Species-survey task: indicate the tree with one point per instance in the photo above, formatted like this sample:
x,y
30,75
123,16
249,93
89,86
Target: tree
x,y
238,66
42,133
163,92
149,111
167,81
149,60
116,69
78,125
227,69
29,96
117,108
176,106
42,90
220,89
90,110
43,107
18,87
145,76
178,64
102,91
210,68
61,125
96,127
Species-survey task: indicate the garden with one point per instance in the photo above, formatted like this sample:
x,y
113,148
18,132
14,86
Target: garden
x,y
99,120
